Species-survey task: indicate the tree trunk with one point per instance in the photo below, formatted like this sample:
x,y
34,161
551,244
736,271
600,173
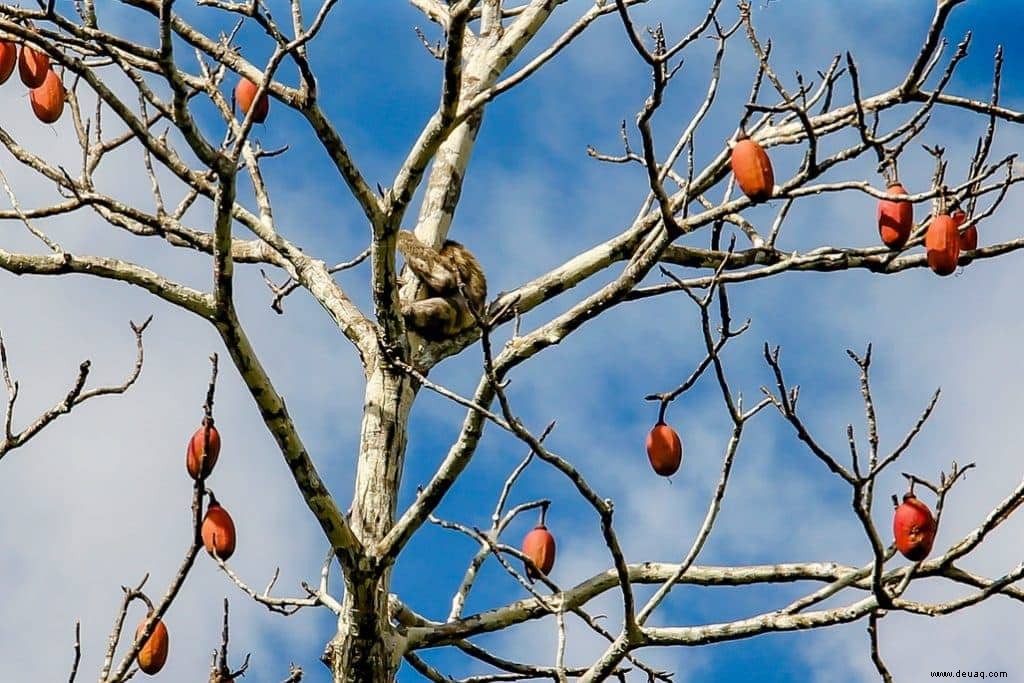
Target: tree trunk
x,y
389,396
367,649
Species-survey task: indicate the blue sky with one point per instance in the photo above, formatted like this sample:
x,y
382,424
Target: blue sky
x,y
101,498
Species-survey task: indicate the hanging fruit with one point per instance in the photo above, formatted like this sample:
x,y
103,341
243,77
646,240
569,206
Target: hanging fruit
x,y
203,450
752,168
218,530
895,218
8,58
664,449
914,528
32,66
48,99
153,653
969,237
539,546
245,91
942,244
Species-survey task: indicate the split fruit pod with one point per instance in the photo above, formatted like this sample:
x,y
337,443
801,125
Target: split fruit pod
x,y
914,528
152,656
203,450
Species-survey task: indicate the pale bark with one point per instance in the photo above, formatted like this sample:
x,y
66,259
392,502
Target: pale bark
x,y
481,42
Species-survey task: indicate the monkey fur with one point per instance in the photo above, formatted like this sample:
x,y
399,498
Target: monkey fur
x,y
454,282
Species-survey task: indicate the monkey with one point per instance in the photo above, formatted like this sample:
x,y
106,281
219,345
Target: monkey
x,y
455,285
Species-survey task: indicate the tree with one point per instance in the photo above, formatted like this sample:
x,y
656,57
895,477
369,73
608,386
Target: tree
x,y
150,87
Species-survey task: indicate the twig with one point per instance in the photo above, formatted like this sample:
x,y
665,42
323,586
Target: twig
x,y
876,656
78,652
220,672
75,396
290,285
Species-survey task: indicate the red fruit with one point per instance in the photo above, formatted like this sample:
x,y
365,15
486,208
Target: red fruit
x,y
969,237
32,66
539,546
664,449
245,91
48,99
942,243
8,58
153,653
218,531
753,169
914,528
895,219
197,448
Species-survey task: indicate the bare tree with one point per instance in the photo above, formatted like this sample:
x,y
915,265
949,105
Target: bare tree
x,y
144,94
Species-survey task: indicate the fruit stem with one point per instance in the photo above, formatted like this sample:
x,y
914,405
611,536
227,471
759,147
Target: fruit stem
x,y
661,412
940,209
543,512
208,405
889,173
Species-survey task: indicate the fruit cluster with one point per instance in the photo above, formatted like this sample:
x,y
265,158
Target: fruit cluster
x,y
664,450
943,240
217,532
46,92
913,525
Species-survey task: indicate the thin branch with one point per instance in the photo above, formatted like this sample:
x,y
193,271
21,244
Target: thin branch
x,y
78,652
75,396
876,656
